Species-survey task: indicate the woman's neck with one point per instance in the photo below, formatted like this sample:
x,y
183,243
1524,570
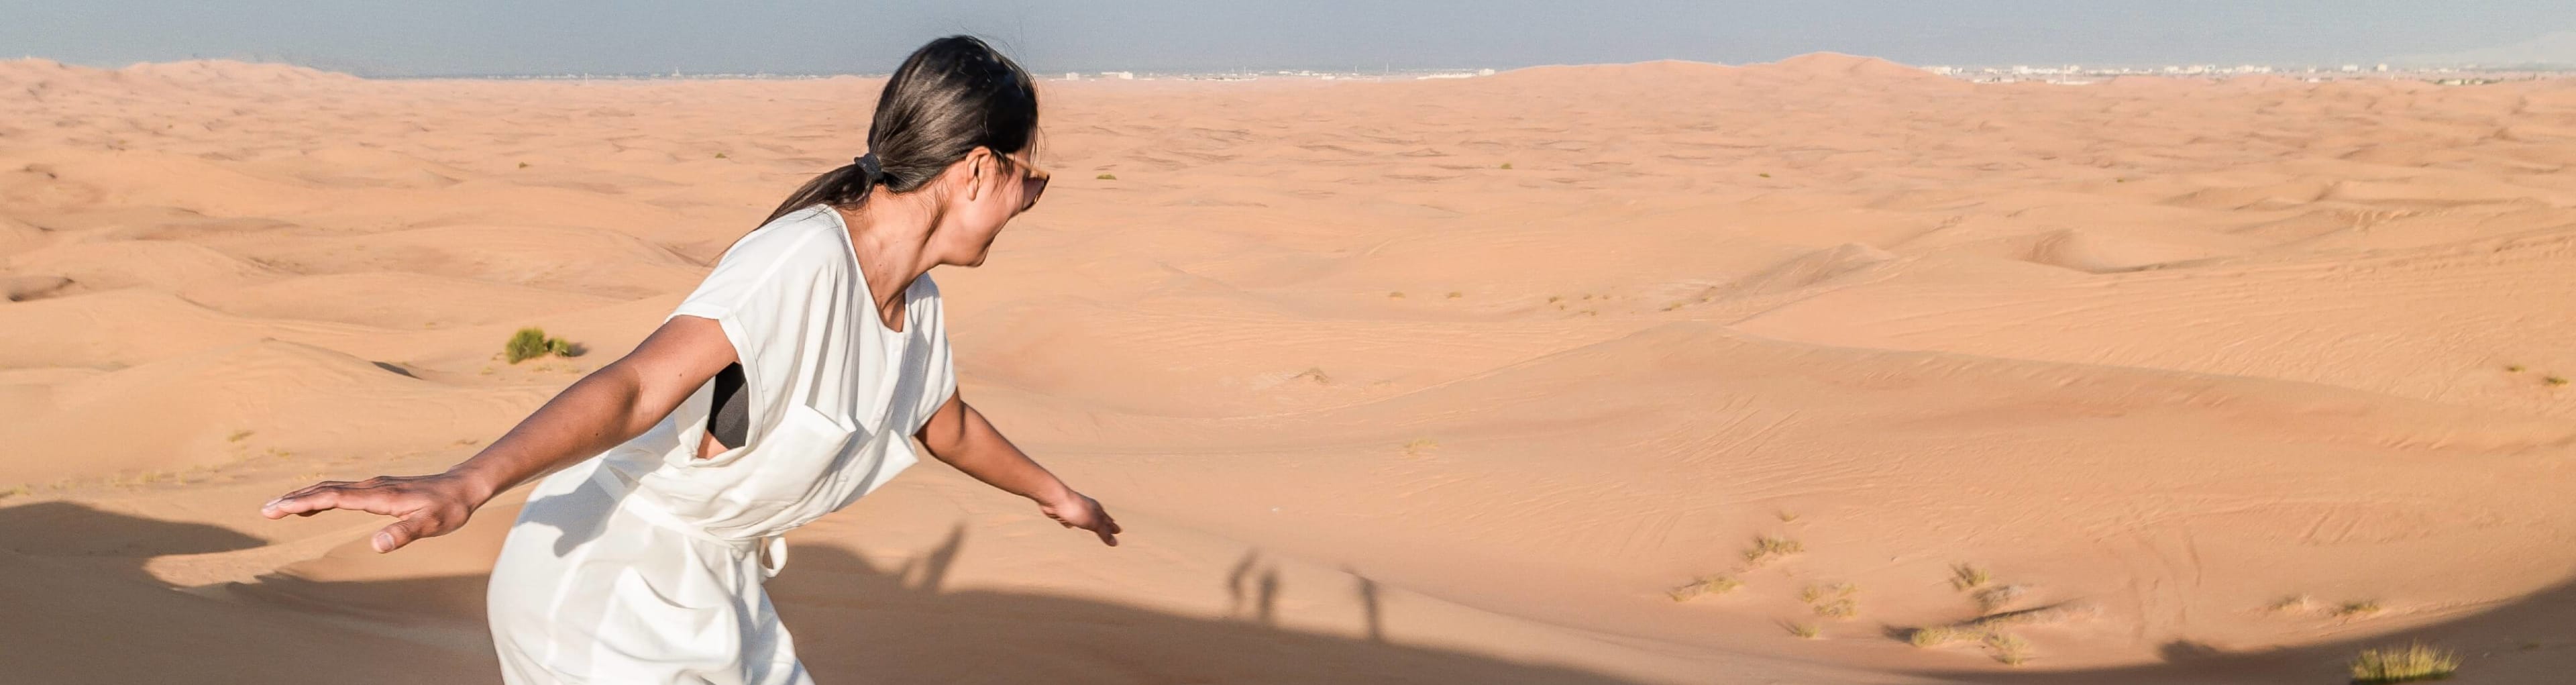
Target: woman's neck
x,y
891,235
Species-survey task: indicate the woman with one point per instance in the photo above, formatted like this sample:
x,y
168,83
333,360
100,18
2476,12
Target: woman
x,y
780,390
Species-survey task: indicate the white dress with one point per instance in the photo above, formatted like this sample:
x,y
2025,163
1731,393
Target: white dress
x,y
644,564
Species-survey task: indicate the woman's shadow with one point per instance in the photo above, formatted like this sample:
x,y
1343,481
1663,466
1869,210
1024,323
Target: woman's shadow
x,y
856,620
81,608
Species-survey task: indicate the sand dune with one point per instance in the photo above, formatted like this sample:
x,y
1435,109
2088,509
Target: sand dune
x,y
1425,382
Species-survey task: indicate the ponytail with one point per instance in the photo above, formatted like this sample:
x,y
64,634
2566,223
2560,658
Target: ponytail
x,y
843,187
951,96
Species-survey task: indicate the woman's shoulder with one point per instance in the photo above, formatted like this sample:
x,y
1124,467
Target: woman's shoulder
x,y
807,239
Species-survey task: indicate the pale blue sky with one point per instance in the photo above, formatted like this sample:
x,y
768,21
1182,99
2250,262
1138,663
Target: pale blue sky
x,y
448,37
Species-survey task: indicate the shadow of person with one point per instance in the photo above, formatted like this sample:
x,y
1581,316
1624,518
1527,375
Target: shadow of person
x,y
81,609
77,535
856,621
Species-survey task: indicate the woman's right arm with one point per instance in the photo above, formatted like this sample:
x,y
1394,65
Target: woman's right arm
x,y
610,405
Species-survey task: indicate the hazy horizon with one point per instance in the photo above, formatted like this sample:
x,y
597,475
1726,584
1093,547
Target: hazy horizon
x,y
487,37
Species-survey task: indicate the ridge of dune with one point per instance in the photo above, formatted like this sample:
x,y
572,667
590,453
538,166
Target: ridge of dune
x,y
233,70
1839,64
203,405
1810,69
1661,68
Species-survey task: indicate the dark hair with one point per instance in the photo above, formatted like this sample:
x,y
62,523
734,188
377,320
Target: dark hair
x,y
951,96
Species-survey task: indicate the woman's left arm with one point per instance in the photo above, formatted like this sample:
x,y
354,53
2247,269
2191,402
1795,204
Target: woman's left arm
x,y
959,435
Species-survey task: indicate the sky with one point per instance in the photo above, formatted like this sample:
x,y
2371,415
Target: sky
x,y
512,37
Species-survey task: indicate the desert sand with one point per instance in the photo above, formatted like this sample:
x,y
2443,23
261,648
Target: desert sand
x,y
1424,382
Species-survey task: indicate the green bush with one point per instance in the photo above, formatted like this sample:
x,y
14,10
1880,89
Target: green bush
x,y
530,343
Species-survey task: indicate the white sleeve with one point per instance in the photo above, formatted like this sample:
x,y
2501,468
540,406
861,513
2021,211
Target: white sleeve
x,y
760,292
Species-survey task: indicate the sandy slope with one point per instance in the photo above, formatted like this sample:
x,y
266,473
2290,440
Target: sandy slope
x,y
1440,381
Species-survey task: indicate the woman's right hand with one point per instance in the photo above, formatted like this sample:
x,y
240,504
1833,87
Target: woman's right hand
x,y
428,506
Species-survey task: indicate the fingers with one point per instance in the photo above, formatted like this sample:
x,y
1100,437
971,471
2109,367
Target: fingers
x,y
1104,525
306,502
270,509
400,533
332,495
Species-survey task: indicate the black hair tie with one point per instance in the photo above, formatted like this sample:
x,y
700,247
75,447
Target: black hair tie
x,y
868,165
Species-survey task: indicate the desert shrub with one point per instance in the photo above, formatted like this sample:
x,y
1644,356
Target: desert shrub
x,y
2407,664
1766,548
1967,576
1704,585
530,343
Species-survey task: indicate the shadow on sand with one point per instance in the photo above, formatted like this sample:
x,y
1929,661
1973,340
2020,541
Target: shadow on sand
x,y
2532,640
83,611
76,606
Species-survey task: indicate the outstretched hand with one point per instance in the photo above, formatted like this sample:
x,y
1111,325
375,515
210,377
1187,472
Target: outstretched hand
x,y
1077,510
427,506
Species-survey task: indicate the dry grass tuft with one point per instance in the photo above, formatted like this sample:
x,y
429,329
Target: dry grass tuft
x,y
2008,648
1989,629
1766,548
1705,585
1968,577
2407,664
1832,601
1419,446
1805,630
1106,177
1997,597
2364,608
1818,593
1936,636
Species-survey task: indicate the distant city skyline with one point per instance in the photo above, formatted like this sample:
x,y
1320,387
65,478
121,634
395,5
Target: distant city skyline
x,y
496,37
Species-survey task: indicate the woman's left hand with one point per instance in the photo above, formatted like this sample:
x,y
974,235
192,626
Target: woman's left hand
x,y
1076,510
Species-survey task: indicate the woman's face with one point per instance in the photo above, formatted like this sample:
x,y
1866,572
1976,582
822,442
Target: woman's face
x,y
995,188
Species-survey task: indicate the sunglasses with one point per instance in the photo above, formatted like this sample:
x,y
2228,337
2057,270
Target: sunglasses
x,y
1032,185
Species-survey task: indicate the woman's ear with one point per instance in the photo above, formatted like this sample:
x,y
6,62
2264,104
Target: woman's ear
x,y
977,172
